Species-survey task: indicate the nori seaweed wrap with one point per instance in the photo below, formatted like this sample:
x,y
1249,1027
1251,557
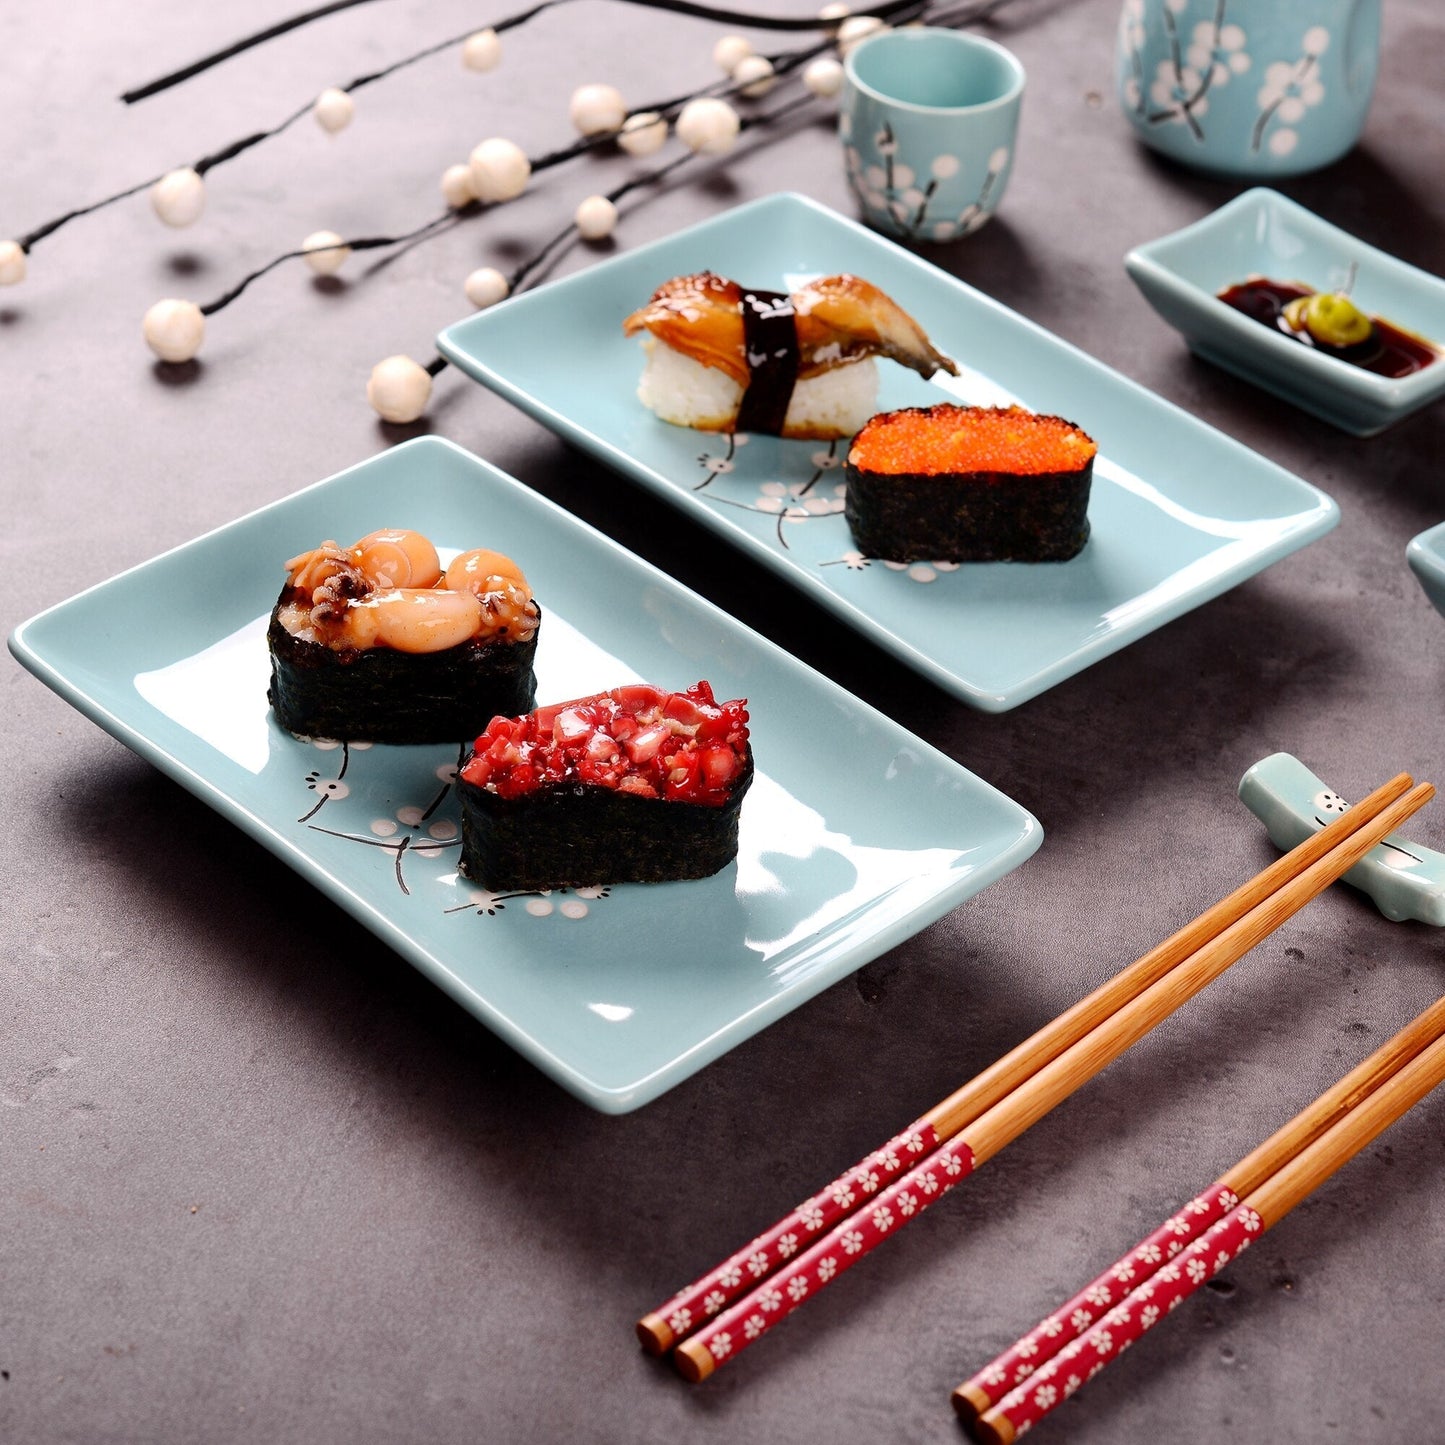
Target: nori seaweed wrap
x,y
632,786
380,695
969,484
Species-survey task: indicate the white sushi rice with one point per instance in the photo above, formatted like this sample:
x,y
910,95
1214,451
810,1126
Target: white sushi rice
x,y
684,392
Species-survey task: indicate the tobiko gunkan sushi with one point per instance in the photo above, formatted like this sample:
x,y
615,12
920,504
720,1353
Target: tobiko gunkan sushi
x,y
635,785
724,357
378,643
969,484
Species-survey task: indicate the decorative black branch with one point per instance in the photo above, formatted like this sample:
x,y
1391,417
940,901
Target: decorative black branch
x,y
883,11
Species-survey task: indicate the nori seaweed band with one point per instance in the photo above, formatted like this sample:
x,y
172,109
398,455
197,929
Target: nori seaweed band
x,y
572,834
380,695
770,342
938,515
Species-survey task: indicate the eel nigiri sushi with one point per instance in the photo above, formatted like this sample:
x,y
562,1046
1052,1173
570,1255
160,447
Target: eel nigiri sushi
x,y
635,785
379,643
724,357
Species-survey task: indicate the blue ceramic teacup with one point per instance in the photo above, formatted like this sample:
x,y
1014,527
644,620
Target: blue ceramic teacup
x,y
1248,87
928,122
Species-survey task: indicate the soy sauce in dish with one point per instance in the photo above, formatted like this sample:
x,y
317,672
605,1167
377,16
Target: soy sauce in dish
x,y
1389,350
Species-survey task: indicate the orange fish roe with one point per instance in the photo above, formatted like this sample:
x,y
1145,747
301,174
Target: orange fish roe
x,y
964,440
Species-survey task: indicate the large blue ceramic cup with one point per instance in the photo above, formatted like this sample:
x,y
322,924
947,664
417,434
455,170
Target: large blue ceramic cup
x,y
928,121
1248,87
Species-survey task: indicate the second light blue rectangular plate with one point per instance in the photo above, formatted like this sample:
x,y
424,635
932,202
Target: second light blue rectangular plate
x,y
1180,512
854,835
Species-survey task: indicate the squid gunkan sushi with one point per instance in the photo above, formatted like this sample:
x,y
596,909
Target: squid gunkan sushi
x,y
635,785
969,484
378,643
729,358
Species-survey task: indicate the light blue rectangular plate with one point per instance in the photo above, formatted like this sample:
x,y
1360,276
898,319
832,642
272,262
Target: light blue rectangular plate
x,y
1262,233
1180,513
855,833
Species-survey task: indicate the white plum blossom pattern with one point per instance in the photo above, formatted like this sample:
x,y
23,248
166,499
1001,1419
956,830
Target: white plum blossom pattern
x,y
1211,54
851,1238
793,501
1290,90
1028,1402
776,1249
429,830
1179,91
1061,1335
896,193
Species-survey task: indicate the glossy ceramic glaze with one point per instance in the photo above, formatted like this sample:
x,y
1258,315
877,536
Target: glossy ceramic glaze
x,y
1264,233
1404,878
1248,87
1426,556
929,120
848,844
1180,512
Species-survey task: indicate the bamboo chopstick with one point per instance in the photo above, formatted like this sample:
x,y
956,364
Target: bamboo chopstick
x,y
1174,1281
731,1331
691,1307
1024,1359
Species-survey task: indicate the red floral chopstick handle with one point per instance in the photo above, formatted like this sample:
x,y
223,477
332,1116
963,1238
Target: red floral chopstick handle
x,y
737,1274
1070,1320
818,1265
1169,1286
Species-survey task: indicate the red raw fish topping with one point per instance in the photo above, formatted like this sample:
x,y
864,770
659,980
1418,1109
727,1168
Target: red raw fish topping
x,y
681,746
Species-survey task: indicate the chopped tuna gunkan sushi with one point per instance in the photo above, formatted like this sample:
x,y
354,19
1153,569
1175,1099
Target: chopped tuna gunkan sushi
x,y
633,785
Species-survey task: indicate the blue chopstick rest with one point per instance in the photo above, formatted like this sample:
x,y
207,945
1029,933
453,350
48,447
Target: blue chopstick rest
x,y
1405,879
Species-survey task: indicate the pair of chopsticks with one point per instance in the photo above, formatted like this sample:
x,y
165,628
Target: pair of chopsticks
x,y
1078,1339
745,1296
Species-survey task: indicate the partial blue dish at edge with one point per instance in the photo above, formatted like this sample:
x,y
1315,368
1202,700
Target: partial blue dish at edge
x,y
854,835
1262,233
1426,557
1179,512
